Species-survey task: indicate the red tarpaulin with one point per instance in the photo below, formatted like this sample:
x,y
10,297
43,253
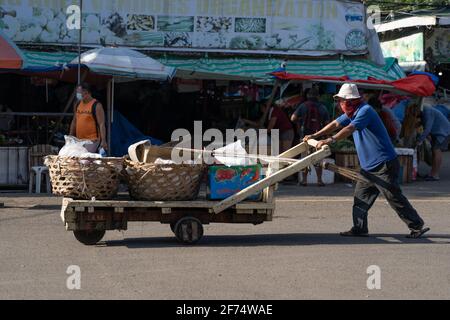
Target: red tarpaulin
x,y
10,56
418,85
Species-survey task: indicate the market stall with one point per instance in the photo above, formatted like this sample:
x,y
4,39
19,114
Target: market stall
x,y
37,118
13,159
123,65
410,91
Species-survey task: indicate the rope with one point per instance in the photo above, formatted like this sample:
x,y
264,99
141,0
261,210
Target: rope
x,y
84,181
237,156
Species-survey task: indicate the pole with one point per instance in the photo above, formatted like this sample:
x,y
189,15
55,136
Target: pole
x,y
80,42
113,92
108,97
46,90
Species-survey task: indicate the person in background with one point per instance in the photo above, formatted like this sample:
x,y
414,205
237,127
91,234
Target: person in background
x,y
311,116
378,159
6,121
437,127
277,119
386,117
89,120
445,110
377,104
397,104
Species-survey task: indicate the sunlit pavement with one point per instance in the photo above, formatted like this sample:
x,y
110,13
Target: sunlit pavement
x,y
297,256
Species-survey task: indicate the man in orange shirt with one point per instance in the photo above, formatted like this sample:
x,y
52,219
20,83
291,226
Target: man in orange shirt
x,y
89,120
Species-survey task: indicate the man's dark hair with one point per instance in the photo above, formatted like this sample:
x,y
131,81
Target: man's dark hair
x,y
87,87
375,103
313,93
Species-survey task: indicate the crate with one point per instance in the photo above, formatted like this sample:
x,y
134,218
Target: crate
x,y
350,160
223,182
346,160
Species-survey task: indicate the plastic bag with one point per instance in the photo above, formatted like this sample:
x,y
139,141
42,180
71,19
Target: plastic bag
x,y
169,162
233,155
75,148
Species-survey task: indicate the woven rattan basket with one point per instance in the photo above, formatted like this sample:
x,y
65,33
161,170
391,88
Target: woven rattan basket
x,y
85,178
163,182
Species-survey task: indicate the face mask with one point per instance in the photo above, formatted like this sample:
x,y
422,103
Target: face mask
x,y
349,107
79,96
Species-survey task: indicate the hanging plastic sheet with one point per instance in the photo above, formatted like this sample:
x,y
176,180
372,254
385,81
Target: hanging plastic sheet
x,y
124,134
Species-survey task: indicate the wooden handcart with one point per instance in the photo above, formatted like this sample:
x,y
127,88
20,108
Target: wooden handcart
x,y
89,220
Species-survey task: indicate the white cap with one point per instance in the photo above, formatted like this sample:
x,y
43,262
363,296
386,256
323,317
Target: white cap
x,y
348,91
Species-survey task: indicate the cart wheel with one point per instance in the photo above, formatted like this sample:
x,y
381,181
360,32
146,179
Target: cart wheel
x,y
189,230
89,238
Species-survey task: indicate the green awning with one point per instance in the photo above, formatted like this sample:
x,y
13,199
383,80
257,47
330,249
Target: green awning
x,y
38,59
259,68
246,68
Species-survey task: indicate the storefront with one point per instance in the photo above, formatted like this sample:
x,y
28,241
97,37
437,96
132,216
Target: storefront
x,y
223,60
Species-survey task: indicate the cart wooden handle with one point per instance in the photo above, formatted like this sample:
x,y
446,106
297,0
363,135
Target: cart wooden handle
x,y
275,178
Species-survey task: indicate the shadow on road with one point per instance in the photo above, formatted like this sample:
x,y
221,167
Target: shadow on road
x,y
293,239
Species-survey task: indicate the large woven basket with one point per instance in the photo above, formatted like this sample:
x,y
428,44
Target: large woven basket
x,y
163,182
84,179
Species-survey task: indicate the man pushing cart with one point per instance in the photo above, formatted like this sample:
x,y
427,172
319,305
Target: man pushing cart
x,y
379,162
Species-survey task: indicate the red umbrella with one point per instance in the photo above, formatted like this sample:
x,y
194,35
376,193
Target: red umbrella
x,y
10,55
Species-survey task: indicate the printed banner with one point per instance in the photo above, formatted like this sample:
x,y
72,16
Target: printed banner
x,y
406,49
274,26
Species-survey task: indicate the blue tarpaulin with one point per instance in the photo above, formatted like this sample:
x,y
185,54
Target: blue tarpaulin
x,y
433,77
124,134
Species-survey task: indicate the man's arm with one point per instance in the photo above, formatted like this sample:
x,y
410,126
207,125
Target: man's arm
x,y
428,118
272,124
297,115
341,135
100,113
325,115
330,128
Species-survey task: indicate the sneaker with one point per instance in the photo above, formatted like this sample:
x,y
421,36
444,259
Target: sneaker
x,y
355,233
415,234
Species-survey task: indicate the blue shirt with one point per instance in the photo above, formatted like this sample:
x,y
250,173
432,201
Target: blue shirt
x,y
444,110
435,124
372,142
400,110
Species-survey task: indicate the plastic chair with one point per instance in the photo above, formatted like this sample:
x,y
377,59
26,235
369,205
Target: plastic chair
x,y
38,170
36,175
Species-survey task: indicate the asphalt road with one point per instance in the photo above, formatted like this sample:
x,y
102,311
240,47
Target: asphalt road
x,y
297,256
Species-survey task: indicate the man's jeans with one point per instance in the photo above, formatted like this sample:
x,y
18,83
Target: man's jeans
x,y
383,179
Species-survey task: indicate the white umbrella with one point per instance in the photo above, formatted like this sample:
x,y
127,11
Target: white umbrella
x,y
125,63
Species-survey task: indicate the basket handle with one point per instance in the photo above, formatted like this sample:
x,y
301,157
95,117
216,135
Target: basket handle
x,y
149,170
85,190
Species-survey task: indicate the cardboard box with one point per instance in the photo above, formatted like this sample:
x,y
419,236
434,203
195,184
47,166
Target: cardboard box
x,y
223,182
